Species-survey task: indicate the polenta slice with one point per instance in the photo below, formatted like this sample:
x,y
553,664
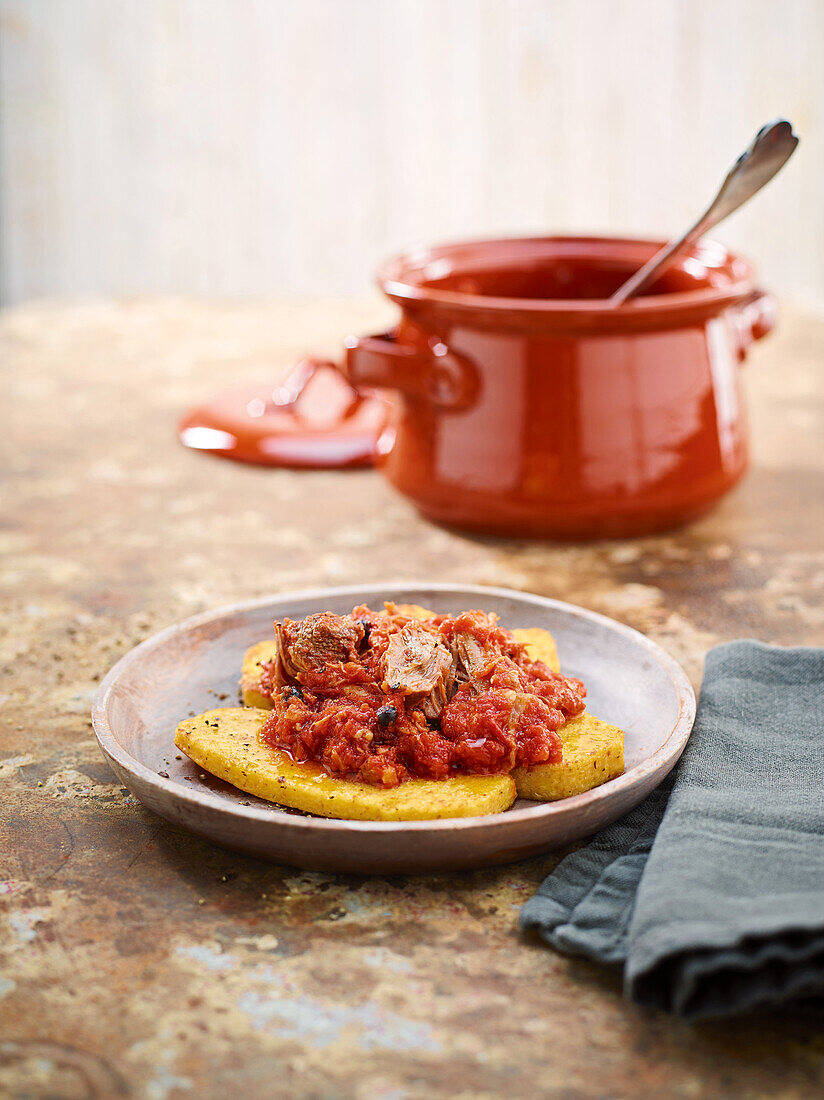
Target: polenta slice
x,y
593,750
413,611
540,646
254,659
593,753
227,744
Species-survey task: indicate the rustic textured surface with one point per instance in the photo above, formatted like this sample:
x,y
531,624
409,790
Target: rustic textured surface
x,y
137,961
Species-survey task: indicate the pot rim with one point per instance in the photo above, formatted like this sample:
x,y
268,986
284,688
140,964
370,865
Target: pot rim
x,y
395,277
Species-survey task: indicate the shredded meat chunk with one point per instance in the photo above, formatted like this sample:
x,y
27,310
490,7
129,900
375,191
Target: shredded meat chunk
x,y
313,643
470,657
421,667
480,650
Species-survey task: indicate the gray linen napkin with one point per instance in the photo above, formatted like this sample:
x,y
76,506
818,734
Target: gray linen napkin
x,y
710,894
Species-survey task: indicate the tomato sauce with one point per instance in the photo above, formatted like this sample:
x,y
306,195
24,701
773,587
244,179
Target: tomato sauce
x,y
344,716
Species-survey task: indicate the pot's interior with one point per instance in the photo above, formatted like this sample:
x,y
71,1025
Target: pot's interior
x,y
561,268
573,277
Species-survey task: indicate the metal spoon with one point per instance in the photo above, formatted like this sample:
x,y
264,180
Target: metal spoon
x,y
770,150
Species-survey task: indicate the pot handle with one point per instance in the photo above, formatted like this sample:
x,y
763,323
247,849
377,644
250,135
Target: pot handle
x,y
755,318
443,378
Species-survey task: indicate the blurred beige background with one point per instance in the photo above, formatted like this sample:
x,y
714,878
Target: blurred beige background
x,y
245,147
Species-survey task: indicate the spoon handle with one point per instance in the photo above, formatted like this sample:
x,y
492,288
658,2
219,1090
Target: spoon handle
x,y
647,274
768,152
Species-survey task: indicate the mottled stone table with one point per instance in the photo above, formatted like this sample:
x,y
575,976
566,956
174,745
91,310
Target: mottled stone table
x,y
138,961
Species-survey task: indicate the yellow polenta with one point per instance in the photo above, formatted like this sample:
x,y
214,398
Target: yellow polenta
x,y
593,750
227,744
540,646
254,659
593,753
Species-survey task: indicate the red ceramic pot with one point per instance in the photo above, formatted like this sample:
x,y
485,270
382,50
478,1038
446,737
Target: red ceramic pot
x,y
529,405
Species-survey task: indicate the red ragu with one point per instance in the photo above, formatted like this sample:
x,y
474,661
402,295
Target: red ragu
x,y
382,697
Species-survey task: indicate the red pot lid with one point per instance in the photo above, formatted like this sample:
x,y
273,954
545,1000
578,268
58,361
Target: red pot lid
x,y
313,420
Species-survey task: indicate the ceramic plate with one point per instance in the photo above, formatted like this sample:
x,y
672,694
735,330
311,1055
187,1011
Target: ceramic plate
x,y
631,683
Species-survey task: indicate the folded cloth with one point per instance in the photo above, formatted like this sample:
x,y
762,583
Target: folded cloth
x,y
710,894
